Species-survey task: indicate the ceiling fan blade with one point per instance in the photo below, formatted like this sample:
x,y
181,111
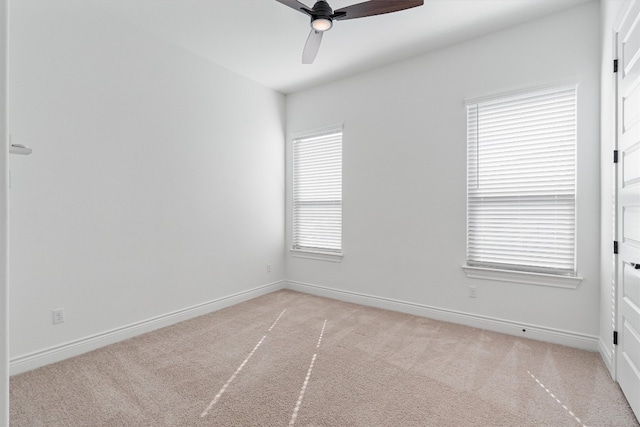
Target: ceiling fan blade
x,y
295,4
374,7
312,46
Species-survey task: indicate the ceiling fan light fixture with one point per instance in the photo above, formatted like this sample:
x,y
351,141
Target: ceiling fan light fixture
x,y
321,24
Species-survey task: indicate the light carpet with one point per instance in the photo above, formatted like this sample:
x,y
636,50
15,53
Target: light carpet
x,y
289,358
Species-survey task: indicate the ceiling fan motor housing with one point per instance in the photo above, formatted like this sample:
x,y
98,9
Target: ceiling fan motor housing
x,y
322,11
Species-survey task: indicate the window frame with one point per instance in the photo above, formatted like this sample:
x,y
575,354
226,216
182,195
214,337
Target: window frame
x,y
521,273
315,252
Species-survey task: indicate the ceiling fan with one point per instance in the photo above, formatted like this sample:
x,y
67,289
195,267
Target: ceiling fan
x,y
322,17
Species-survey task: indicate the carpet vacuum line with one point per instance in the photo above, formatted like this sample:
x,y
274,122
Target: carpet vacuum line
x,y
224,387
274,323
557,400
294,415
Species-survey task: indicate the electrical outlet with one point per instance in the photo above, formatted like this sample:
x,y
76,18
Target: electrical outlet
x,y
58,316
473,292
268,268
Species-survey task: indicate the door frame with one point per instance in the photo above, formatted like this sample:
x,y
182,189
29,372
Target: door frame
x,y
617,261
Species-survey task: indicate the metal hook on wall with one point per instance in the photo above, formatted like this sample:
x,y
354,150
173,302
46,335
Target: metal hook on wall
x,y
19,148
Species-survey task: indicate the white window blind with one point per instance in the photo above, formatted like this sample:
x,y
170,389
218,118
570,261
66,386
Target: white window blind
x,y
521,182
317,192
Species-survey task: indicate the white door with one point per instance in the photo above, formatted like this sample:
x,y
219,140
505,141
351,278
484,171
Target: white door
x,y
628,205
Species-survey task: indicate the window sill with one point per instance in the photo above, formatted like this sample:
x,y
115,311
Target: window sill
x,y
322,256
567,282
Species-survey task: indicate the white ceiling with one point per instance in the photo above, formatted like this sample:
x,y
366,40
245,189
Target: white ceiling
x,y
263,39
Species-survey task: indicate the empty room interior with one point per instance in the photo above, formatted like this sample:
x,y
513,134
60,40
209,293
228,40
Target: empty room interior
x,y
268,212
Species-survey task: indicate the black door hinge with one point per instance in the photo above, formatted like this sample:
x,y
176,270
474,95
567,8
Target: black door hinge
x,y
615,65
615,156
615,246
615,337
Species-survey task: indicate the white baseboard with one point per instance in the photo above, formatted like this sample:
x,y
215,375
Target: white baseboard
x,y
607,358
74,348
57,353
540,333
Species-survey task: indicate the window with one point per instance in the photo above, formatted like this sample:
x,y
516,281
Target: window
x,y
521,182
317,192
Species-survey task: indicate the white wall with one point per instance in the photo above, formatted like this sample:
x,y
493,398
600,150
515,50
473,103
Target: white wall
x,y
4,283
156,181
404,171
